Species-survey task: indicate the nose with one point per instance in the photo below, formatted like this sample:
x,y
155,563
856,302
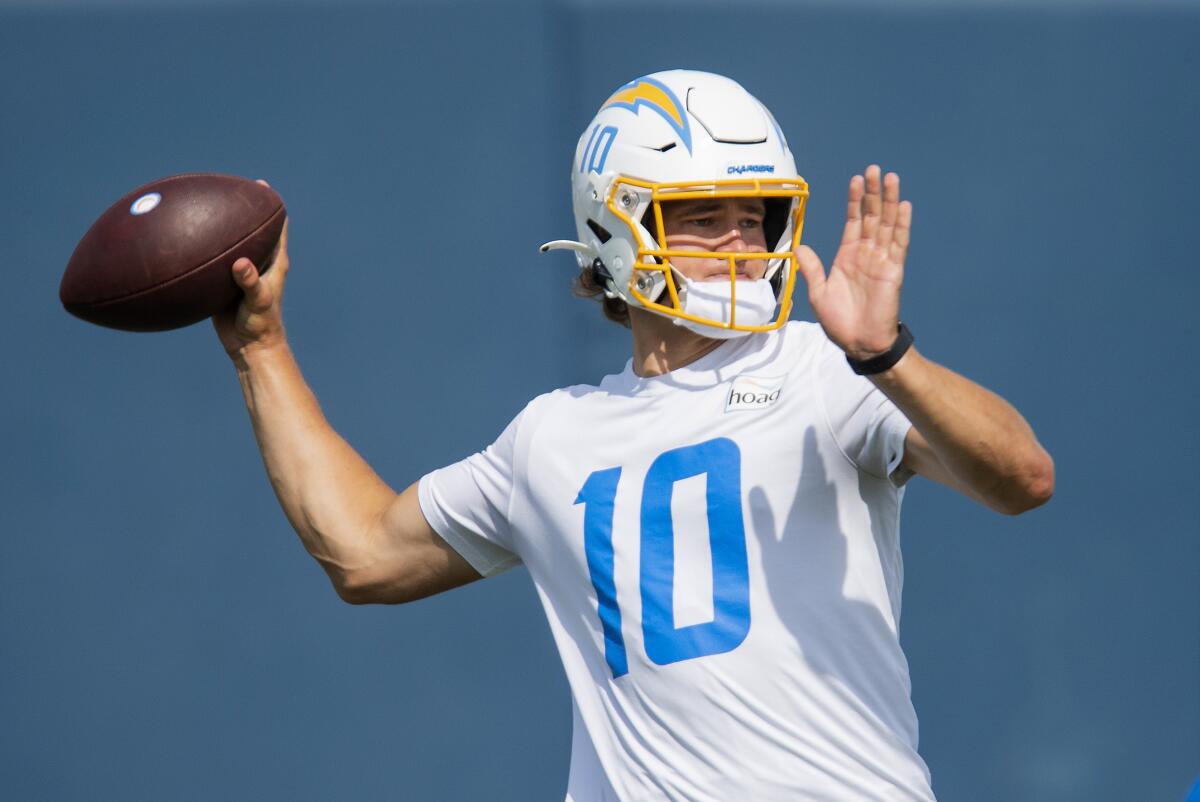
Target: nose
x,y
732,240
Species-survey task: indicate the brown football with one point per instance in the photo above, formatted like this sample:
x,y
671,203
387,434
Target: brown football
x,y
160,257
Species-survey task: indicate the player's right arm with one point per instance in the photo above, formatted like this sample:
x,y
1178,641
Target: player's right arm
x,y
375,545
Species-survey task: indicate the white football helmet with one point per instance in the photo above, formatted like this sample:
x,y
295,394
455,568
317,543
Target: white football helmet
x,y
680,135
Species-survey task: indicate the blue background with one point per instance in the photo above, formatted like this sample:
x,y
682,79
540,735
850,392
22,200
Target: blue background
x,y
163,635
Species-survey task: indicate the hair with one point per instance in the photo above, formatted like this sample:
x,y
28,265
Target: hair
x,y
585,286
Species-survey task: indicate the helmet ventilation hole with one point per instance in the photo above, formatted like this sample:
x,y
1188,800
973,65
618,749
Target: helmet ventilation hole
x,y
600,231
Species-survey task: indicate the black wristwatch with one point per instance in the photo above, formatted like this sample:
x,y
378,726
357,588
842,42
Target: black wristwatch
x,y
881,362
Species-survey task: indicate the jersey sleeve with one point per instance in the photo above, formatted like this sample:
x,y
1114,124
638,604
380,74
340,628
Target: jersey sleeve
x,y
467,504
867,426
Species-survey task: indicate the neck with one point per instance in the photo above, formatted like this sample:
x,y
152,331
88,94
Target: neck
x,y
659,346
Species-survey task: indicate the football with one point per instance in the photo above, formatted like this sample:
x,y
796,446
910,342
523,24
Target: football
x,y
160,257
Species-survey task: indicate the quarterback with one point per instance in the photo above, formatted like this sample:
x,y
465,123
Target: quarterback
x,y
724,586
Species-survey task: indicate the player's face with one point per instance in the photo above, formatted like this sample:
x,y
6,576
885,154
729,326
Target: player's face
x,y
724,225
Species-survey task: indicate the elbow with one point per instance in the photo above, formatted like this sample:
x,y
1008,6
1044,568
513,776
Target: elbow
x,y
1031,488
354,594
362,587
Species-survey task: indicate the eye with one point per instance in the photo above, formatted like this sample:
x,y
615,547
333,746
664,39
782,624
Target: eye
x,y
699,222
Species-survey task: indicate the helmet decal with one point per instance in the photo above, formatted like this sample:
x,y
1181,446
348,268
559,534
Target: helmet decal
x,y
657,96
596,152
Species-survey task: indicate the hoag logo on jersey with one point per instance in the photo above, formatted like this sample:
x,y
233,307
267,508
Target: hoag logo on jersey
x,y
753,392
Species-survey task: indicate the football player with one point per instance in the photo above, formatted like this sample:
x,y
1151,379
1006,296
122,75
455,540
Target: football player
x,y
714,530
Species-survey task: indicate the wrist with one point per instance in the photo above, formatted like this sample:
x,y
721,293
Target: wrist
x,y
902,376
872,364
250,355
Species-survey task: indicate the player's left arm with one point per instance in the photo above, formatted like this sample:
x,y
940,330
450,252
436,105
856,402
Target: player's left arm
x,y
967,437
963,435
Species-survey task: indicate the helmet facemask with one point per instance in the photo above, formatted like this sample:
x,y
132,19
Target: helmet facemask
x,y
657,285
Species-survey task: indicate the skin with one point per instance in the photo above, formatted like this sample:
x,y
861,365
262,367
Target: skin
x,y
728,225
964,436
376,545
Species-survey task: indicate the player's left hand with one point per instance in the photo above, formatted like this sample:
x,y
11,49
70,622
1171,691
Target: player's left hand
x,y
858,303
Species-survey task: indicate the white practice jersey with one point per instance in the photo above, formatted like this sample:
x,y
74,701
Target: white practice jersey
x,y
717,551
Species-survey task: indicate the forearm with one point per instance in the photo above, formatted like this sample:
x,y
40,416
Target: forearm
x,y
332,498
984,445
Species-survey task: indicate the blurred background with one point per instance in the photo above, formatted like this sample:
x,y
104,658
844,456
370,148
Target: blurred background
x,y
163,635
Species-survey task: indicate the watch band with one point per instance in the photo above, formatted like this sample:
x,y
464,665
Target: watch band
x,y
881,362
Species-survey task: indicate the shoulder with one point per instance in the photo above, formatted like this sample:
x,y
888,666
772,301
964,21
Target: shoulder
x,y
808,340
555,401
803,344
563,401
577,395
803,334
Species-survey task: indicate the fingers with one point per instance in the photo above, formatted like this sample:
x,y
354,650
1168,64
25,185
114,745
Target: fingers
x,y
871,203
280,262
258,293
873,209
277,263
853,230
891,204
808,265
279,259
898,247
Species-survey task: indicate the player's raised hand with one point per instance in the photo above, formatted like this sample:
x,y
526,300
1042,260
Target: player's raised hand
x,y
858,302
258,320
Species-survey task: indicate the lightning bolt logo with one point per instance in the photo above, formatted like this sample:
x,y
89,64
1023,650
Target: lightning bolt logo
x,y
657,97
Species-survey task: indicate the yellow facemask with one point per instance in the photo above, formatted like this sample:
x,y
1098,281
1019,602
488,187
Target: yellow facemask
x,y
652,267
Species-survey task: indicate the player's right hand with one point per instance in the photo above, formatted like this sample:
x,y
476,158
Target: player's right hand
x,y
257,321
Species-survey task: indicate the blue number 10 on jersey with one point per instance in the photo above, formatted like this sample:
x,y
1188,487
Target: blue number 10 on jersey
x,y
721,461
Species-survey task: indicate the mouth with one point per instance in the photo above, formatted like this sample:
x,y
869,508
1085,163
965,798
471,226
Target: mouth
x,y
739,275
